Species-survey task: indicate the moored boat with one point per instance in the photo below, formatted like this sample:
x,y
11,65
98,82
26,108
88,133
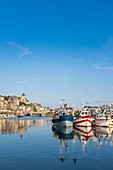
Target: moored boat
x,y
64,118
84,119
103,120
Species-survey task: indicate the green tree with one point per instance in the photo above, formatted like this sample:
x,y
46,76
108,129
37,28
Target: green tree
x,y
34,109
6,97
22,103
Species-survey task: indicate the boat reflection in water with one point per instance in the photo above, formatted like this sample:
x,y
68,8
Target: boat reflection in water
x,y
62,132
74,142
87,134
102,136
84,135
64,136
72,136
104,132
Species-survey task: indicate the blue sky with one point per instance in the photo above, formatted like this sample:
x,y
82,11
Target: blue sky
x,y
57,49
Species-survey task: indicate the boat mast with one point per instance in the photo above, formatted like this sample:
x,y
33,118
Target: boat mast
x,y
62,102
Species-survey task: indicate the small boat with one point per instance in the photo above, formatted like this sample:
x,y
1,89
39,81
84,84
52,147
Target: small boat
x,y
20,116
103,120
64,118
84,119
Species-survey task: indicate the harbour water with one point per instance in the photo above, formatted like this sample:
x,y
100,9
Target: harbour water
x,y
33,144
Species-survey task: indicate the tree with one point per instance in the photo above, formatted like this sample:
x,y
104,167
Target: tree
x,y
34,109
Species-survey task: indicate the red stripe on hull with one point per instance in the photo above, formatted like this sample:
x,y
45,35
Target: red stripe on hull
x,y
83,131
86,117
88,137
81,121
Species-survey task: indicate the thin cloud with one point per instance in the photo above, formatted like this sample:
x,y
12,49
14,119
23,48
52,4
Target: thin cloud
x,y
27,81
32,86
98,66
24,51
23,82
32,79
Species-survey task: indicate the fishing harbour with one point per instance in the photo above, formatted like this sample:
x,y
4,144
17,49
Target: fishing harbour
x,y
34,138
68,139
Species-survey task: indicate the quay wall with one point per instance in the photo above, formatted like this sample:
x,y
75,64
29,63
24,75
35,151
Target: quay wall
x,y
41,114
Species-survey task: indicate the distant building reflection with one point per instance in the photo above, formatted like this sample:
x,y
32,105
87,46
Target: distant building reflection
x,y
19,126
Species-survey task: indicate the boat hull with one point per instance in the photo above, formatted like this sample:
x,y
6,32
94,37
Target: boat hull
x,y
84,121
103,122
64,121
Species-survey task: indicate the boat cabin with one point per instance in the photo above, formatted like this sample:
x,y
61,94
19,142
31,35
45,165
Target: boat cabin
x,y
85,113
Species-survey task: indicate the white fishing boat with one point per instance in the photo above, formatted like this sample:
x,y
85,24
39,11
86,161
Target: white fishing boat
x,y
103,120
84,119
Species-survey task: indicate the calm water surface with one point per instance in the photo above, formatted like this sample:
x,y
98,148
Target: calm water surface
x,y
33,144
